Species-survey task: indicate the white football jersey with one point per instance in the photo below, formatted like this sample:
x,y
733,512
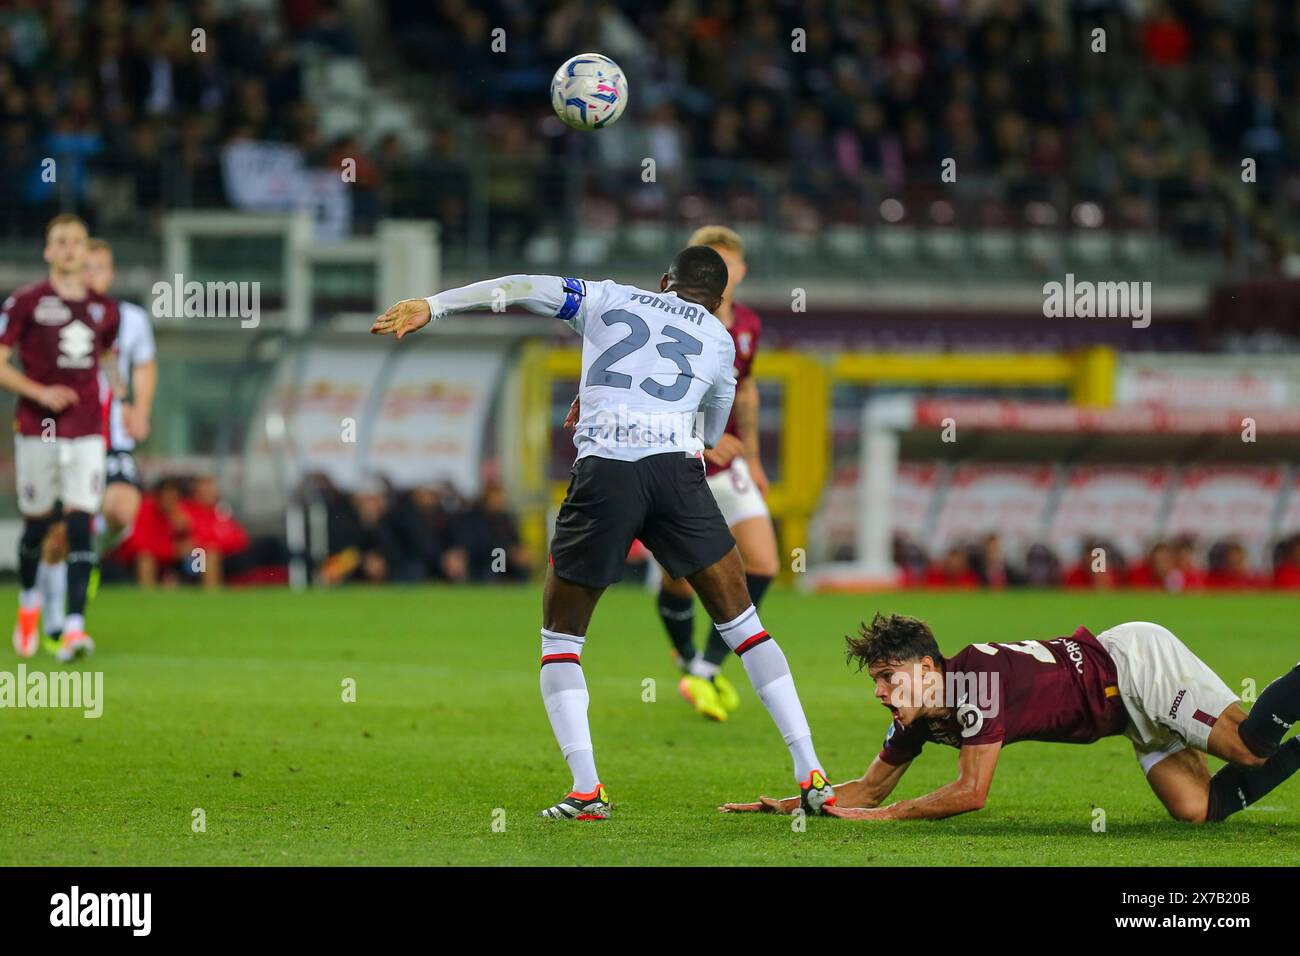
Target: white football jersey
x,y
651,362
658,372
135,346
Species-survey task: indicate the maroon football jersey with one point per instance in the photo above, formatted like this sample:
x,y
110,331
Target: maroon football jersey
x,y
59,342
745,329
1062,690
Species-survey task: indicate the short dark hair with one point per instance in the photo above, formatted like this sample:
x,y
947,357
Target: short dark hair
x,y
896,638
699,269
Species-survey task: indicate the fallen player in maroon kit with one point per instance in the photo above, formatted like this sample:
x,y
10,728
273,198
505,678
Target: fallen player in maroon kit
x,y
1136,679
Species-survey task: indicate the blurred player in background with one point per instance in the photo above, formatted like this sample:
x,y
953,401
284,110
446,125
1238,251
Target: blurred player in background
x,y
127,423
736,477
62,330
739,485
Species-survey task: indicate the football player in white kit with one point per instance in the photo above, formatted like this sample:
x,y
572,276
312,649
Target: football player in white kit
x,y
656,390
735,475
128,422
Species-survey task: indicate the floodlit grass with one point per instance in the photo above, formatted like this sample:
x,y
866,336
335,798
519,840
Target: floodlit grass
x,y
232,704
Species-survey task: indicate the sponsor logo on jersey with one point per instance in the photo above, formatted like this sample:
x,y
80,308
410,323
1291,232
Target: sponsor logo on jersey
x,y
51,310
970,719
745,340
96,312
76,346
944,731
632,428
1074,653
1173,711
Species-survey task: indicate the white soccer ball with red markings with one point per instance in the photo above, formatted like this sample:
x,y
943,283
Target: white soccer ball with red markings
x,y
589,91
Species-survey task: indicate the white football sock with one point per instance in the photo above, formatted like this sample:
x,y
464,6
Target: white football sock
x,y
564,691
699,667
769,672
52,582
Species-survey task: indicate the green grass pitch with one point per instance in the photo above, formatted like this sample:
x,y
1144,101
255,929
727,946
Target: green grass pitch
x,y
232,704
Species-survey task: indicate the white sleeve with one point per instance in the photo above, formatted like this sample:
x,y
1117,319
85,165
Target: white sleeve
x,y
145,349
565,299
715,407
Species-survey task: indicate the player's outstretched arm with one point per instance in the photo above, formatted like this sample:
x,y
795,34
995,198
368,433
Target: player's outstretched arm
x,y
545,295
869,790
975,766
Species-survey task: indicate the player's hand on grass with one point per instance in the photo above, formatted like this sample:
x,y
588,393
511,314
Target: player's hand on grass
x,y
722,454
407,316
571,419
762,805
56,397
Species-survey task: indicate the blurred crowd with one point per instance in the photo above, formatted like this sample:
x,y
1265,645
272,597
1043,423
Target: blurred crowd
x,y
1150,131
1018,92
1178,564
432,532
134,107
185,534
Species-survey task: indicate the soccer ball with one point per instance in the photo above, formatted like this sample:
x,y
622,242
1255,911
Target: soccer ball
x,y
589,91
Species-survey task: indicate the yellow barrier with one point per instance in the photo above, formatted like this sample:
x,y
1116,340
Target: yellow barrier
x,y
1089,374
806,383
535,453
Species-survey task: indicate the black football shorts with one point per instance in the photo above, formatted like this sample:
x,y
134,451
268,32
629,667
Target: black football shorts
x,y
119,467
662,499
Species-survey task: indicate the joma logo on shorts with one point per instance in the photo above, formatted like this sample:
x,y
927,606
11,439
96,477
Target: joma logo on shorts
x,y
1173,711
